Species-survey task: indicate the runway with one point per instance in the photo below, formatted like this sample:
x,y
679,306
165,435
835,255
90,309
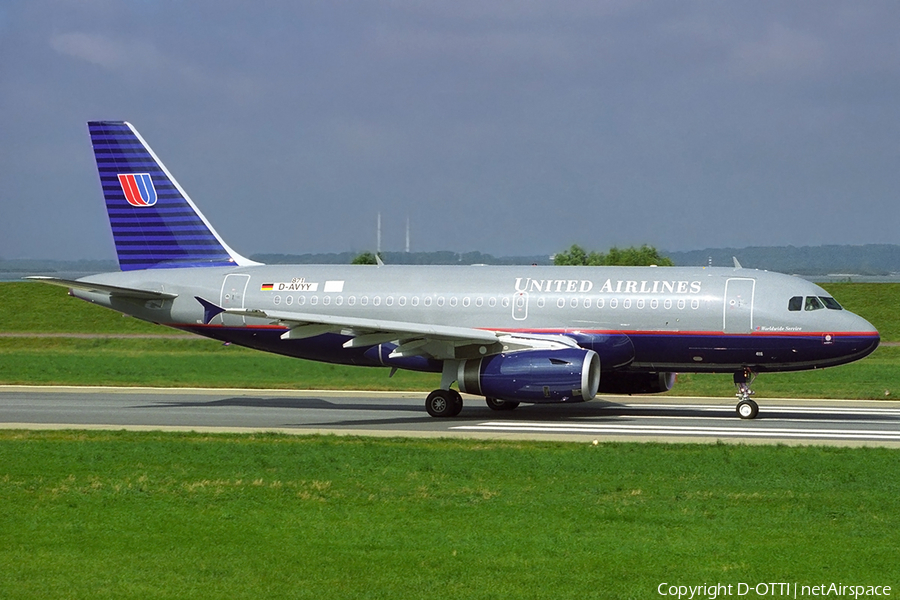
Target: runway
x,y
623,418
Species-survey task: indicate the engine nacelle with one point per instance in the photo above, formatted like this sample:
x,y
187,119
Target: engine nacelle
x,y
636,383
565,375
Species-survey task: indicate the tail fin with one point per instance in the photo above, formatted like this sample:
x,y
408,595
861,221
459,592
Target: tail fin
x,y
154,223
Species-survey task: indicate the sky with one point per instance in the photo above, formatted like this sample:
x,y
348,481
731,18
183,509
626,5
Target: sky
x,y
511,128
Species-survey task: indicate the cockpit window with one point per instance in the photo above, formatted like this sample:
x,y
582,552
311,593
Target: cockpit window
x,y
831,303
813,303
795,303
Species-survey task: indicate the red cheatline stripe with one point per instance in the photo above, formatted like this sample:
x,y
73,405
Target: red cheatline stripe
x,y
132,194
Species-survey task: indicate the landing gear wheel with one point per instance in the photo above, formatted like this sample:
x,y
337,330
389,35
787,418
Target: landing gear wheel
x,y
457,403
747,409
500,404
443,403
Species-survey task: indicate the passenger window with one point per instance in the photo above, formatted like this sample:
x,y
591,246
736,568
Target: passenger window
x,y
813,303
795,303
831,303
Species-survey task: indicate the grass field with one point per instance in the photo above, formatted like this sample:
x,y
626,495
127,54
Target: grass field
x,y
142,515
32,308
152,515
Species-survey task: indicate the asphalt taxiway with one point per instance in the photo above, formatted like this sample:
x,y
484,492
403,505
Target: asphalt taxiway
x,y
670,419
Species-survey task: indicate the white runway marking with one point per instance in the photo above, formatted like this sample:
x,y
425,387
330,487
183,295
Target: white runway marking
x,y
812,410
761,432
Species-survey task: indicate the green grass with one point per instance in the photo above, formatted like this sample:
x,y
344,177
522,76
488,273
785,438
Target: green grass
x,y
876,302
183,363
150,515
32,307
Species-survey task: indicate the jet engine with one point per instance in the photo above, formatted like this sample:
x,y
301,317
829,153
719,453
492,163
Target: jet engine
x,y
636,383
563,375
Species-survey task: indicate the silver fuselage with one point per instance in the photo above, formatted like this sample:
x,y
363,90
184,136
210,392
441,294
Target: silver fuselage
x,y
685,319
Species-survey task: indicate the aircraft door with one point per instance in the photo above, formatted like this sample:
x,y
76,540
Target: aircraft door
x,y
738,316
234,288
520,306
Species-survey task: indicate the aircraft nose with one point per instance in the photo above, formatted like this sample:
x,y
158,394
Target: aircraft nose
x,y
866,335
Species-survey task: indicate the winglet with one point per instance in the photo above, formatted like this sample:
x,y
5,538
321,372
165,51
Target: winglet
x,y
737,265
210,310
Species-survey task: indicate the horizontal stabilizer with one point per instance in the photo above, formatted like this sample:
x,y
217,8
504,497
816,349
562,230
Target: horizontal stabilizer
x,y
210,310
112,290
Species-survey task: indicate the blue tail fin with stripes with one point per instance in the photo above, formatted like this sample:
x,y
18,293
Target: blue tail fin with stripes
x,y
154,223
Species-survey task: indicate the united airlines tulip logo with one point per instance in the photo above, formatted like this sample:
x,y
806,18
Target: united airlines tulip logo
x,y
138,188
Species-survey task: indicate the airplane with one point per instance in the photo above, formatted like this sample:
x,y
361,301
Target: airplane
x,y
512,334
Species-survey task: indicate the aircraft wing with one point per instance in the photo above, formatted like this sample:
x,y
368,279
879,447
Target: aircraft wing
x,y
112,290
412,339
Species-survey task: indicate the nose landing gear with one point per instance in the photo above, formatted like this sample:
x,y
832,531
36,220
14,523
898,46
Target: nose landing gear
x,y
746,408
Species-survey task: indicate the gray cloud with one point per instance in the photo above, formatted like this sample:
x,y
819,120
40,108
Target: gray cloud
x,y
502,127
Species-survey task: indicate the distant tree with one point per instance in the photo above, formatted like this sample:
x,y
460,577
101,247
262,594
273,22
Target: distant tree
x,y
366,258
633,256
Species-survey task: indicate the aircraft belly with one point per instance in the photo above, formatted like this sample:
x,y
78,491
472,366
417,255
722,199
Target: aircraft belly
x,y
722,353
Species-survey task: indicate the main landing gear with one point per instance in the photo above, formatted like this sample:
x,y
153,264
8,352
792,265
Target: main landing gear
x,y
746,407
500,404
449,403
444,403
